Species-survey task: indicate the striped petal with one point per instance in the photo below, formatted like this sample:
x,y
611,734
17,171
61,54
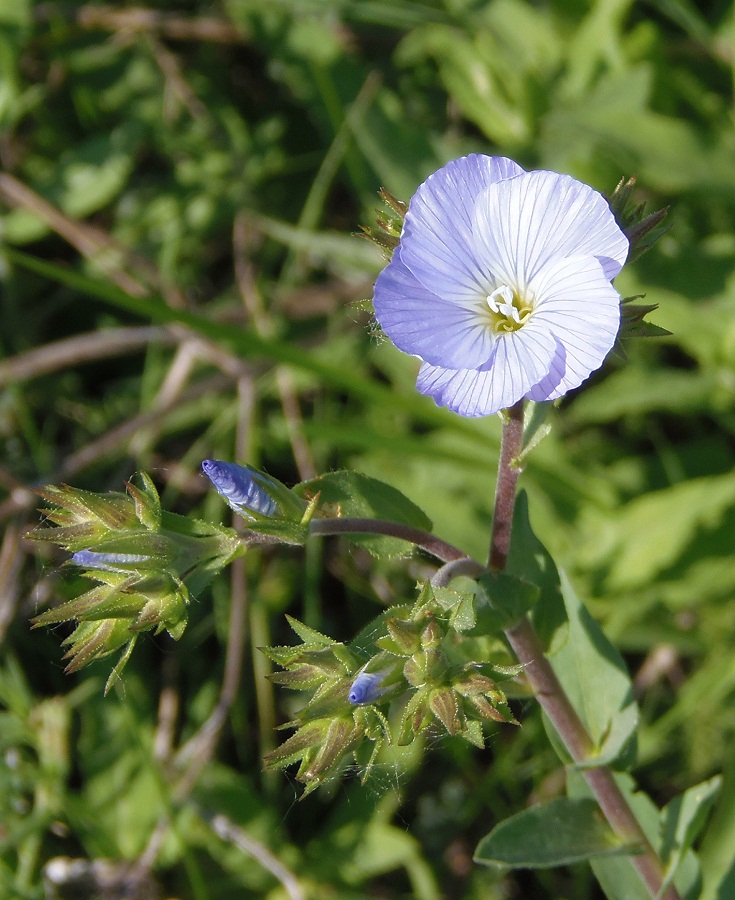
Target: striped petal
x,y
524,224
437,244
579,306
239,487
520,361
420,323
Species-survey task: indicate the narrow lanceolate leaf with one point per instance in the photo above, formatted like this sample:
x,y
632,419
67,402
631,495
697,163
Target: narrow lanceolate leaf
x,y
558,833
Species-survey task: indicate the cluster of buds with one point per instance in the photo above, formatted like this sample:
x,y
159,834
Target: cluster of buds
x,y
340,714
446,690
643,230
386,232
148,564
418,671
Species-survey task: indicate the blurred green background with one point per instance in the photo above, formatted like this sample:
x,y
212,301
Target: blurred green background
x,y
180,189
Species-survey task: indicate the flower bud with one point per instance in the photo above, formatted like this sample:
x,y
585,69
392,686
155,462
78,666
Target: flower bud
x,y
443,703
432,635
242,487
107,562
368,686
405,635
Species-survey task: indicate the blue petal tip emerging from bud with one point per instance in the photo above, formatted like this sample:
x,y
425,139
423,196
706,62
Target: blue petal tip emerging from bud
x,y
366,688
107,562
239,487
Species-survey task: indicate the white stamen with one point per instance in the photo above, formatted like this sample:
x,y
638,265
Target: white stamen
x,y
504,306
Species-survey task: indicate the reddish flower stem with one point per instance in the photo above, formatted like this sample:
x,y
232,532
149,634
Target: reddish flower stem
x,y
547,687
505,490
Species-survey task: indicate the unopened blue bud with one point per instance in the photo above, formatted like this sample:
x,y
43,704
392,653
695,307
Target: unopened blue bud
x,y
239,488
367,687
108,562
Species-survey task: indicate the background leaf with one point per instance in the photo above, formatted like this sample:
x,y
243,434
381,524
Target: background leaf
x,y
557,833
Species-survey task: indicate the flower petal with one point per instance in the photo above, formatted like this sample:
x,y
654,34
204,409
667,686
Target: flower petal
x,y
520,361
522,224
239,487
366,688
550,387
581,309
436,244
420,323
108,562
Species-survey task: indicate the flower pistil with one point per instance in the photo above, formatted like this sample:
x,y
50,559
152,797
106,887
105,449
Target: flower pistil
x,y
508,311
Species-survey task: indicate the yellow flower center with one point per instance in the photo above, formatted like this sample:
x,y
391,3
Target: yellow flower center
x,y
507,311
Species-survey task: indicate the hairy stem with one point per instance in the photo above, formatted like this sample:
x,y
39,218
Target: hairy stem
x,y
424,539
546,686
555,703
505,491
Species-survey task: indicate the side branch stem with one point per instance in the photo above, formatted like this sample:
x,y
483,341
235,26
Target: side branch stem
x,y
424,539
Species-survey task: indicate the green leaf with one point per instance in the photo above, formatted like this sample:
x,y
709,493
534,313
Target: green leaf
x,y
651,533
683,818
86,178
351,494
718,864
617,877
509,596
309,635
530,561
557,833
596,681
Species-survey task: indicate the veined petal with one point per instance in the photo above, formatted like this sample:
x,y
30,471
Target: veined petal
x,y
239,487
436,244
523,224
420,323
108,562
549,388
581,309
367,687
521,360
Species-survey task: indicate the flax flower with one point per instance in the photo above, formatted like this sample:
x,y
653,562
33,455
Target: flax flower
x,y
501,284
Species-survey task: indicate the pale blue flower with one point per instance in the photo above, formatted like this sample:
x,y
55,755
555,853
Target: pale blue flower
x,y
241,487
501,284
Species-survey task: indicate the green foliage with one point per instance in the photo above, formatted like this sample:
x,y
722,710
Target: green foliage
x,y
595,679
205,184
422,670
148,564
352,495
551,834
